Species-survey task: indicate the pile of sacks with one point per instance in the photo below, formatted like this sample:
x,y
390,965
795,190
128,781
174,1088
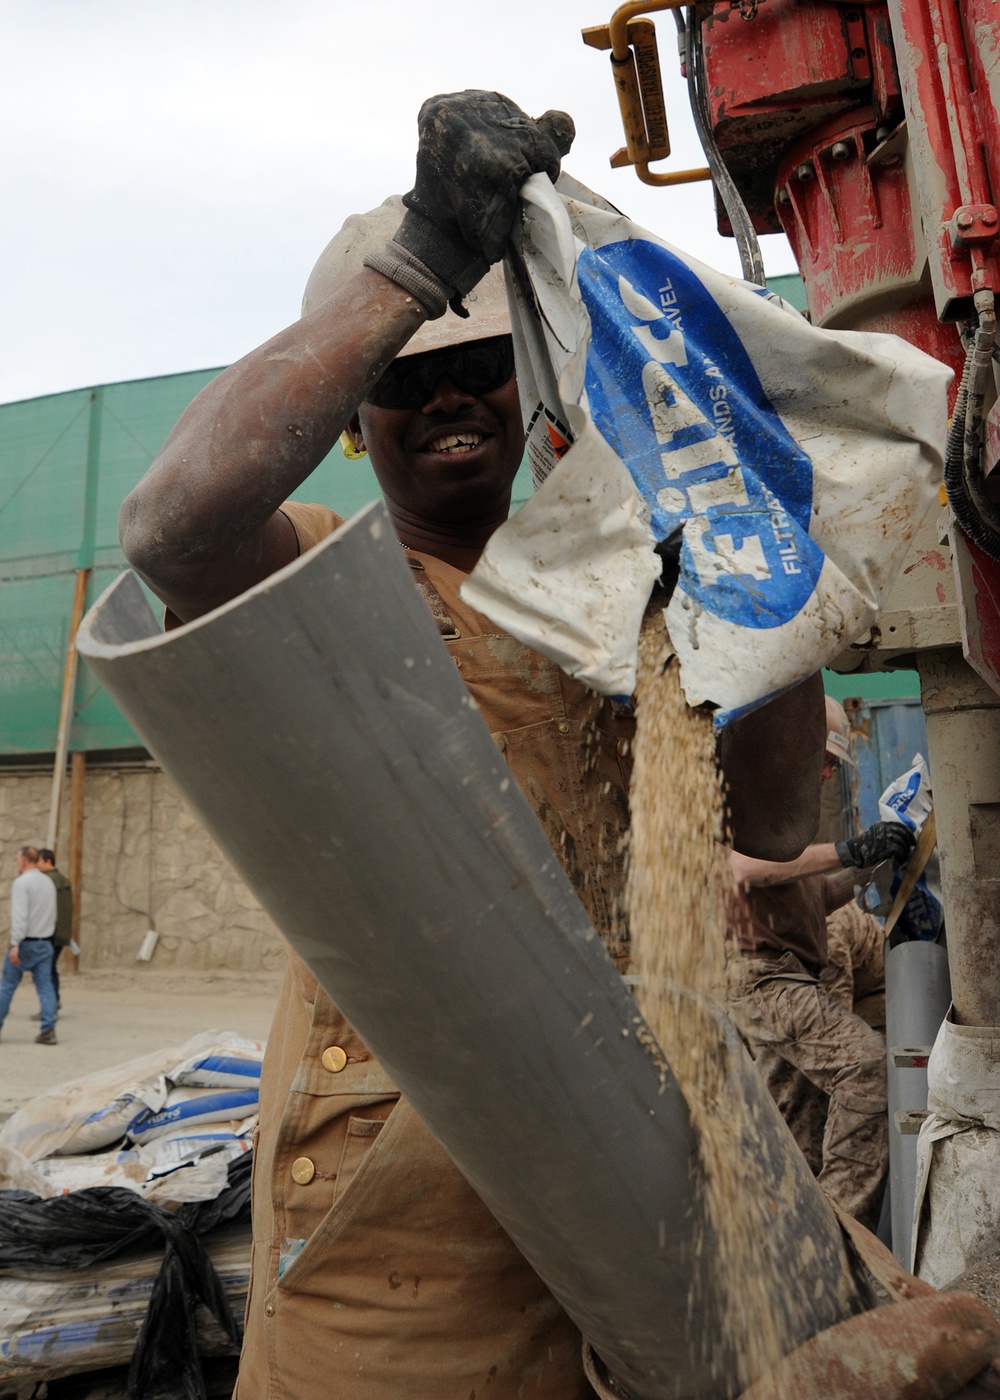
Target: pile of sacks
x,y
166,1126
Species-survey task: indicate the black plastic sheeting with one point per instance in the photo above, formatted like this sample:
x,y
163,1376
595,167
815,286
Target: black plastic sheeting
x,y
101,1222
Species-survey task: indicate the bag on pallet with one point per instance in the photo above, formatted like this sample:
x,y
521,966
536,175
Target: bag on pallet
x,y
231,1063
908,799
227,1139
187,1108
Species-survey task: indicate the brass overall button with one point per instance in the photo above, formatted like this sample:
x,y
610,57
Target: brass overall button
x,y
563,727
334,1059
303,1171
268,1309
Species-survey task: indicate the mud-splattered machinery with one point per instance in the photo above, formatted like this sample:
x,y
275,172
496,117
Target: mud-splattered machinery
x,y
870,134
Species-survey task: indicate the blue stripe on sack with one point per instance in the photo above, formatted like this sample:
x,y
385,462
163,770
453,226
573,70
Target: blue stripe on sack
x,y
673,391
222,1105
219,1064
193,1136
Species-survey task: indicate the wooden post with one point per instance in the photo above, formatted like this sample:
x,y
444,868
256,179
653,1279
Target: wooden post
x,y
84,564
66,708
78,773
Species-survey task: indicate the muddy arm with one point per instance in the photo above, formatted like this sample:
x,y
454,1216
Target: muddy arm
x,y
772,762
814,860
839,887
203,524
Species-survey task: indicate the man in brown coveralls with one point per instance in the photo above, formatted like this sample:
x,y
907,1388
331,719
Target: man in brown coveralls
x,y
377,1272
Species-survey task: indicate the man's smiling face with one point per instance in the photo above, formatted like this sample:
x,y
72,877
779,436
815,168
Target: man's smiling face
x,y
453,459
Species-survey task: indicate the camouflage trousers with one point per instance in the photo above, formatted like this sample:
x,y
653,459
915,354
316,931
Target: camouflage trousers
x,y
855,978
787,1016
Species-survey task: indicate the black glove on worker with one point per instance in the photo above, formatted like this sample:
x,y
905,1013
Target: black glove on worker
x,y
476,151
882,841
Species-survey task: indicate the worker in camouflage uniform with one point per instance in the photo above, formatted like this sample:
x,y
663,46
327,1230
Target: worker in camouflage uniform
x,y
853,978
779,1000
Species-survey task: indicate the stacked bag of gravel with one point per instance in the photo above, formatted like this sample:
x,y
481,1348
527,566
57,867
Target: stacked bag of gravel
x,y
139,1124
124,1219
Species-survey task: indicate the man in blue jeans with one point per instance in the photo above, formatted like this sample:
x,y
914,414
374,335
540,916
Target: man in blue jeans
x,y
32,926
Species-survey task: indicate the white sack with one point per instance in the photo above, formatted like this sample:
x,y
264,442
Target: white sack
x,y
109,1123
196,1161
55,1120
202,1181
79,1173
50,1122
187,1108
908,798
956,1216
660,394
226,1140
233,1062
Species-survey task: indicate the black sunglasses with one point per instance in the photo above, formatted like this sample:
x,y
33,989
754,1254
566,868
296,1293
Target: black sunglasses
x,y
478,367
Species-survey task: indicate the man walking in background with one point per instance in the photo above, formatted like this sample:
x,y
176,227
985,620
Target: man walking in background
x,y
33,908
64,913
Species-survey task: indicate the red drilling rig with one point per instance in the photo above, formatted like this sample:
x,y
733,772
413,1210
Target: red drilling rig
x,y
870,134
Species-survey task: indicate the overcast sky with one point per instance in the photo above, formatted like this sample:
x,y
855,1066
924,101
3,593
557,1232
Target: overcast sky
x,y
172,168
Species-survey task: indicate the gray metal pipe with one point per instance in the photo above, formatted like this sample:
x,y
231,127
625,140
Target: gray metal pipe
x,y
963,740
320,730
917,996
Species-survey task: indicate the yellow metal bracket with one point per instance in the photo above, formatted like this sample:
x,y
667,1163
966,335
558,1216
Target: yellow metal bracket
x,y
635,64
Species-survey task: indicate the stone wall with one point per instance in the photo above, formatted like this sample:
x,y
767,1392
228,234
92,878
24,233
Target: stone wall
x,y
147,863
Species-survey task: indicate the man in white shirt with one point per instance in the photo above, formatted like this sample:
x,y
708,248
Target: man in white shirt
x,y
32,927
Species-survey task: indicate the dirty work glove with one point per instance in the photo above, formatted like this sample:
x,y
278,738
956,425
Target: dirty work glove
x,y
476,149
882,841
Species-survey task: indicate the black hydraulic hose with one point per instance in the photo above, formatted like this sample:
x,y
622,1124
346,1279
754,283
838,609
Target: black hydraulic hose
x,y
975,513
743,230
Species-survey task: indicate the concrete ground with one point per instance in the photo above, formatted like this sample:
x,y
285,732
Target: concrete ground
x,y
114,1015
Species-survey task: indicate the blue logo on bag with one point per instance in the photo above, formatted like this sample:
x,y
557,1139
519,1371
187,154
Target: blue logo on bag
x,y
900,801
673,391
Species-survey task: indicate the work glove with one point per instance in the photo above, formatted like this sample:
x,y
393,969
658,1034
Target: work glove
x,y
881,841
476,149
